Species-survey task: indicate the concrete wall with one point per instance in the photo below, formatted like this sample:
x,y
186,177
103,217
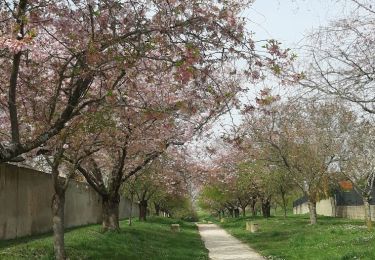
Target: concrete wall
x,y
324,207
354,212
25,200
301,209
328,208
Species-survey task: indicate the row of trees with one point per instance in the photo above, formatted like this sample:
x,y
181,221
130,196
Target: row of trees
x,y
98,90
341,62
282,147
319,138
236,183
162,186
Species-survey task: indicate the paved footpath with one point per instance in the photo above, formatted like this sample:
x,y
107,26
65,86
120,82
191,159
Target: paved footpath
x,y
222,246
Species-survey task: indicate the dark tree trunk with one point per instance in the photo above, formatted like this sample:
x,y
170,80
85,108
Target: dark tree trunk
x,y
253,207
110,212
219,214
368,220
236,212
283,198
243,211
312,210
131,209
143,210
157,209
266,208
231,212
58,204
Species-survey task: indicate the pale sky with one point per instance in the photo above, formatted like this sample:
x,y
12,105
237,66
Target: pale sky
x,y
289,20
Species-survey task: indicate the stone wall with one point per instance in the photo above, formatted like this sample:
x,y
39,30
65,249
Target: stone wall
x,y
354,212
324,207
328,208
301,209
25,199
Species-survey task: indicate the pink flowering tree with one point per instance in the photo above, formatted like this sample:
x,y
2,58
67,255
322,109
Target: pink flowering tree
x,y
155,74
157,182
59,58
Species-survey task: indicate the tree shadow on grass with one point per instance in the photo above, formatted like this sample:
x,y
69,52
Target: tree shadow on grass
x,y
150,240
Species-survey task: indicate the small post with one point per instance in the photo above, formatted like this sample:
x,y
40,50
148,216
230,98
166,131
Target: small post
x,y
175,227
252,227
248,225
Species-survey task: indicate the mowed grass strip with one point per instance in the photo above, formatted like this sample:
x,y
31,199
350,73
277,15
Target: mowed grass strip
x,y
144,240
294,238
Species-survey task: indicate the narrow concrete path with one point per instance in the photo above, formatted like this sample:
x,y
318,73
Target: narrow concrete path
x,y
222,246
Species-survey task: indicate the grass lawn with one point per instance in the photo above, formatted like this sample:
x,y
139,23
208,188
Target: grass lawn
x,y
150,240
293,238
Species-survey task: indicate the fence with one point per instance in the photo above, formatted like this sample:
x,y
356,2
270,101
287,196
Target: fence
x,y
25,199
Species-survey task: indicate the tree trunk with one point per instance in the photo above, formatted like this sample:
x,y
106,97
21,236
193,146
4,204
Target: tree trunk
x,y
157,209
284,203
266,208
110,211
368,220
253,208
221,214
236,212
58,204
131,209
142,210
243,211
231,212
312,210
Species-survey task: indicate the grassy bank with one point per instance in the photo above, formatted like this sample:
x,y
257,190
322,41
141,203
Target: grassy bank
x,y
150,240
293,238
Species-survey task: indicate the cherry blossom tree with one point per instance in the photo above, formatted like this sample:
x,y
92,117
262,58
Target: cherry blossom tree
x,y
141,127
358,163
227,186
60,57
212,199
305,138
151,74
77,142
155,183
340,58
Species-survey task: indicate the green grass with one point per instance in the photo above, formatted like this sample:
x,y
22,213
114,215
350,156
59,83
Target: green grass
x,y
150,240
294,238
